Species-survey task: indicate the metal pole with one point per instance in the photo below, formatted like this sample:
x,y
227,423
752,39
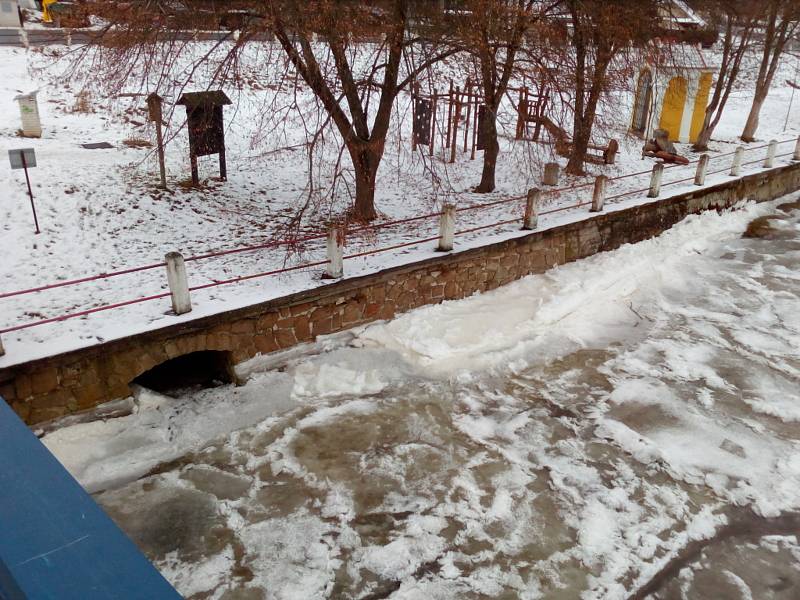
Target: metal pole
x,y
30,191
791,98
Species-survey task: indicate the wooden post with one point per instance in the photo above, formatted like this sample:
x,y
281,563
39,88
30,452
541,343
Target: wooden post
x,y
414,94
195,173
797,149
702,168
736,167
335,268
449,114
433,123
655,180
469,114
154,106
178,283
475,124
599,196
531,220
456,119
447,228
772,150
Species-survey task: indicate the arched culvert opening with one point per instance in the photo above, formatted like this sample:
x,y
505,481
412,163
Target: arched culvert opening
x,y
207,368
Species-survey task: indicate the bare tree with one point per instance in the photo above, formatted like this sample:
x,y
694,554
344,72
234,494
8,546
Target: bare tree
x,y
355,57
493,31
781,24
739,20
600,32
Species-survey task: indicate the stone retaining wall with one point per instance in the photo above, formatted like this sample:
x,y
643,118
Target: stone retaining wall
x,y
55,386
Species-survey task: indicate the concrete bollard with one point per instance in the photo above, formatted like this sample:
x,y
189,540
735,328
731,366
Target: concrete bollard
x,y
655,180
2,350
531,220
772,150
702,169
551,172
178,283
447,228
29,114
599,196
797,149
335,245
736,167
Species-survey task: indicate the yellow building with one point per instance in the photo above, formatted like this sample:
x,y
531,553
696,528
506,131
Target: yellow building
x,y
672,98
674,84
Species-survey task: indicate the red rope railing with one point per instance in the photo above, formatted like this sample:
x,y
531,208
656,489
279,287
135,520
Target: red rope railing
x,y
350,232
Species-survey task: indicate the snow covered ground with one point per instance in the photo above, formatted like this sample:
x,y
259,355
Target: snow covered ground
x,y
100,210
565,436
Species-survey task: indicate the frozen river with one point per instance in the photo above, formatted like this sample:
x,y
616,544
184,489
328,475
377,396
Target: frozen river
x,y
622,425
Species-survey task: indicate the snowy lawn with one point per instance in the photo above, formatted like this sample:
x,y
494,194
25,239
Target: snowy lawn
x,y
101,212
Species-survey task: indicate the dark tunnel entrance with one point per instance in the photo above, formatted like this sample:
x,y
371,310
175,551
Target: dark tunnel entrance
x,y
207,368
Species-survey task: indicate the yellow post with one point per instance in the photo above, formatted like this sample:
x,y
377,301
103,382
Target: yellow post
x,y
672,112
700,103
46,17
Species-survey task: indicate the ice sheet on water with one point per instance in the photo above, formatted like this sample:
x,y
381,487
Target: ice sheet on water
x,y
418,462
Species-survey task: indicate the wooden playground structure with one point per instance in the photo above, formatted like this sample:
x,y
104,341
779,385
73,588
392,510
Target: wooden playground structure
x,y
455,119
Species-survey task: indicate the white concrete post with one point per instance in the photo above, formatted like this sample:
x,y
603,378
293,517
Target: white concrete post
x,y
702,169
2,350
599,196
655,180
772,150
447,228
531,220
335,268
29,114
736,167
797,149
551,171
178,283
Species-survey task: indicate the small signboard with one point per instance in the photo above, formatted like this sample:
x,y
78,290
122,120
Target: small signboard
x,y
25,158
15,157
422,121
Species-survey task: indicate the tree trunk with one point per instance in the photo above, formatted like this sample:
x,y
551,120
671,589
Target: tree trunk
x,y
750,128
580,144
366,160
701,145
490,152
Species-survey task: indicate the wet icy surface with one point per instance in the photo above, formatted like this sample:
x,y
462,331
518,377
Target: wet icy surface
x,y
569,436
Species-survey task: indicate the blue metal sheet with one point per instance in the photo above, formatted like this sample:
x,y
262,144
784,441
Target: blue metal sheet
x,y
55,541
